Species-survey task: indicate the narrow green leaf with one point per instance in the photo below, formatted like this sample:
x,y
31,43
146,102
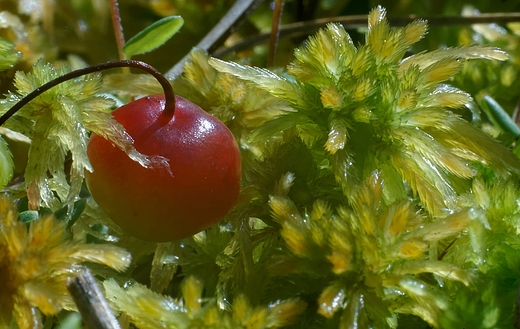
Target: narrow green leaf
x,y
499,116
79,206
153,36
6,163
278,86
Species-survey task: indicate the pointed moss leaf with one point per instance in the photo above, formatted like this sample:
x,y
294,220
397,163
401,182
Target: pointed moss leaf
x,y
499,116
488,150
425,59
269,81
443,269
6,163
277,125
153,36
8,55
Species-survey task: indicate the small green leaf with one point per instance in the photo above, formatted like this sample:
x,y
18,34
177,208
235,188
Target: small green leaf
x,y
153,36
6,163
28,216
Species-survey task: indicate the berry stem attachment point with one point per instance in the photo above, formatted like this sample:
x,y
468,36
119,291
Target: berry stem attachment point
x,y
169,107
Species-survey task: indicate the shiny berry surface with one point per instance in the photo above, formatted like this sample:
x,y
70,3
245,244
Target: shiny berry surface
x,y
157,204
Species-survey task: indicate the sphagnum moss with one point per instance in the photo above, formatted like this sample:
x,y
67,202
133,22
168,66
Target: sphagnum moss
x,y
398,230
365,199
371,108
36,260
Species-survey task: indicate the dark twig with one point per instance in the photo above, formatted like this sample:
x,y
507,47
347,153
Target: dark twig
x,y
227,25
91,303
357,21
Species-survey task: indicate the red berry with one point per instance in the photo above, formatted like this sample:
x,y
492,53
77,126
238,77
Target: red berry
x,y
152,203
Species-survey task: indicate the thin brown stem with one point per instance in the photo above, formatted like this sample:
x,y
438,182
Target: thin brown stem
x,y
275,31
445,251
240,10
118,28
169,96
356,21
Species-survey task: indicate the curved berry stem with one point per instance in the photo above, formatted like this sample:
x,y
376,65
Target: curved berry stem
x,y
169,107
